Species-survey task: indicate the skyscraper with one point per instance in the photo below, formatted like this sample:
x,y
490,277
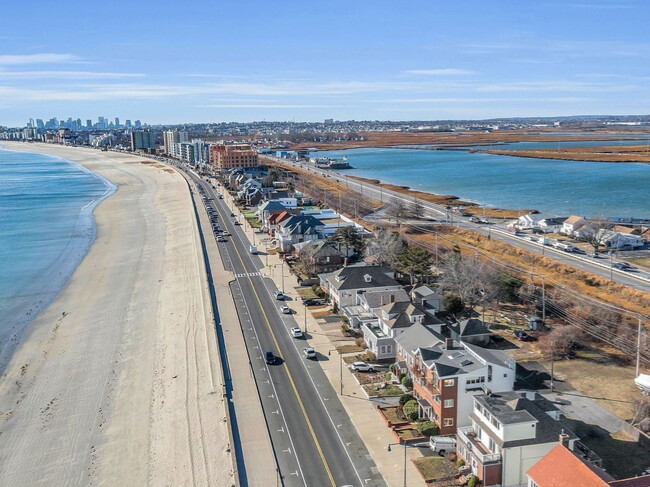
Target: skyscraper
x,y
143,139
138,124
127,124
117,122
172,137
89,124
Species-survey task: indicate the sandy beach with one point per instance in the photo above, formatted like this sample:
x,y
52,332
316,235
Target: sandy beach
x,y
114,383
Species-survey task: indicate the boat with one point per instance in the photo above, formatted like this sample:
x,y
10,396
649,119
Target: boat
x,y
643,383
329,163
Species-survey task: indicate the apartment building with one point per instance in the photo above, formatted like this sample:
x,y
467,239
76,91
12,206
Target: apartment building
x,y
509,433
172,137
448,374
224,156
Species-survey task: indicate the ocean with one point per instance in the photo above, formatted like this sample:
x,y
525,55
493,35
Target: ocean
x,y
554,187
46,229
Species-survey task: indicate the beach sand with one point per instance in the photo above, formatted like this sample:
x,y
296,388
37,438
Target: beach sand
x,y
117,382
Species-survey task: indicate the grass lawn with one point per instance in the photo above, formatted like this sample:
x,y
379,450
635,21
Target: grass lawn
x,y
640,261
434,467
389,390
320,314
393,415
353,348
250,215
360,357
408,434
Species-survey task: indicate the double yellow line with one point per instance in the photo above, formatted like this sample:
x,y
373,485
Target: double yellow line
x,y
286,369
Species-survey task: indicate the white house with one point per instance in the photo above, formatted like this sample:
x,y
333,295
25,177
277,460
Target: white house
x,y
429,298
617,240
529,221
551,225
509,433
572,224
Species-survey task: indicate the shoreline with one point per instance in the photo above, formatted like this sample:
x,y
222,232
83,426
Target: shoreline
x,y
112,383
60,271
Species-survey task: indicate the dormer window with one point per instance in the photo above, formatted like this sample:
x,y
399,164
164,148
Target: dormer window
x,y
367,278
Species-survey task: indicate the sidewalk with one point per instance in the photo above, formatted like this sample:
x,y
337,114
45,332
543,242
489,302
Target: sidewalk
x,y
372,430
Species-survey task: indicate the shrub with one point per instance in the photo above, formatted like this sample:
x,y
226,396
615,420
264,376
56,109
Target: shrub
x,y
427,428
345,319
392,368
371,357
411,410
473,482
401,376
460,462
407,382
404,398
345,329
335,308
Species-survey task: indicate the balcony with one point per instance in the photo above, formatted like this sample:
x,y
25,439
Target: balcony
x,y
467,437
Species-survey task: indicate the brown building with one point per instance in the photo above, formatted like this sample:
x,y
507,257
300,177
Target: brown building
x,y
230,156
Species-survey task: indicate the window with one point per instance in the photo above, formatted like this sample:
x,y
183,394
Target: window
x,y
449,382
448,421
491,444
496,423
448,403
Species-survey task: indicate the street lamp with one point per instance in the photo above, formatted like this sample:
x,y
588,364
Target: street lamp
x,y
329,353
305,307
404,446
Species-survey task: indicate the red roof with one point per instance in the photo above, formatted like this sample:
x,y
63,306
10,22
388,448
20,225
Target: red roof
x,y
561,468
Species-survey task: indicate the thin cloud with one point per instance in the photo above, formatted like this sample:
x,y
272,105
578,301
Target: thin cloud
x,y
65,75
45,58
439,72
263,106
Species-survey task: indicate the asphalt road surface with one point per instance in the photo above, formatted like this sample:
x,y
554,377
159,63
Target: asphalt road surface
x,y
314,441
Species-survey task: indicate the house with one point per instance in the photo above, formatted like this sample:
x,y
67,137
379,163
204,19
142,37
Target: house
x,y
344,284
268,208
551,225
612,239
429,298
561,467
529,221
509,433
332,220
322,256
273,222
471,331
295,229
572,224
392,320
447,374
368,302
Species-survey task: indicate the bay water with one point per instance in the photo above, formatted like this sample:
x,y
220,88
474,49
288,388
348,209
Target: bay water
x,y
46,229
553,187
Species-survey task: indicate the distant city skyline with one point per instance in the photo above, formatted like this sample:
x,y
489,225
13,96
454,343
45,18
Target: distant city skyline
x,y
290,60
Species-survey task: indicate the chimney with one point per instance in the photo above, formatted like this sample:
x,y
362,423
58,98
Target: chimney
x,y
381,300
449,343
563,438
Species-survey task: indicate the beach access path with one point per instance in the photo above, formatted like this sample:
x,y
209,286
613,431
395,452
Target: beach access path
x,y
117,382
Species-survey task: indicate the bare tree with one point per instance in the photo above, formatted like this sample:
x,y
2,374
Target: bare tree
x,y
306,260
417,210
384,246
396,209
466,276
593,232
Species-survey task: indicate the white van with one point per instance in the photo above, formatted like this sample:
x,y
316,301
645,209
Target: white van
x,y
253,249
442,444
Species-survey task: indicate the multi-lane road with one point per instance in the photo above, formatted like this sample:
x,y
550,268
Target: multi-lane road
x,y
313,439
638,279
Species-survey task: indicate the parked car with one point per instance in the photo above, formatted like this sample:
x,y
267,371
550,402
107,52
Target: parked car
x,y
278,295
285,310
221,239
309,352
361,367
593,254
296,332
442,444
624,266
312,302
269,358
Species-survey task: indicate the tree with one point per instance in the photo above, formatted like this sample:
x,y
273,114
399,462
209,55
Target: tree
x,y
592,232
414,261
350,238
411,410
404,398
306,259
427,428
417,210
384,246
466,276
396,209
453,304
505,288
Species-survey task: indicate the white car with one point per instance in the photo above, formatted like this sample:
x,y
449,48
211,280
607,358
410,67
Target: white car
x,y
296,332
361,367
286,310
309,352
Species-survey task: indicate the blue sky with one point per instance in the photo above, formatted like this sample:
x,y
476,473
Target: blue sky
x,y
213,61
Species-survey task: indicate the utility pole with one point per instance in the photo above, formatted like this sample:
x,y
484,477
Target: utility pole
x,y
543,302
638,348
552,360
305,306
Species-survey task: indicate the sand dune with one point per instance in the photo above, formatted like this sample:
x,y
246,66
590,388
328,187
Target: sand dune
x,y
114,383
